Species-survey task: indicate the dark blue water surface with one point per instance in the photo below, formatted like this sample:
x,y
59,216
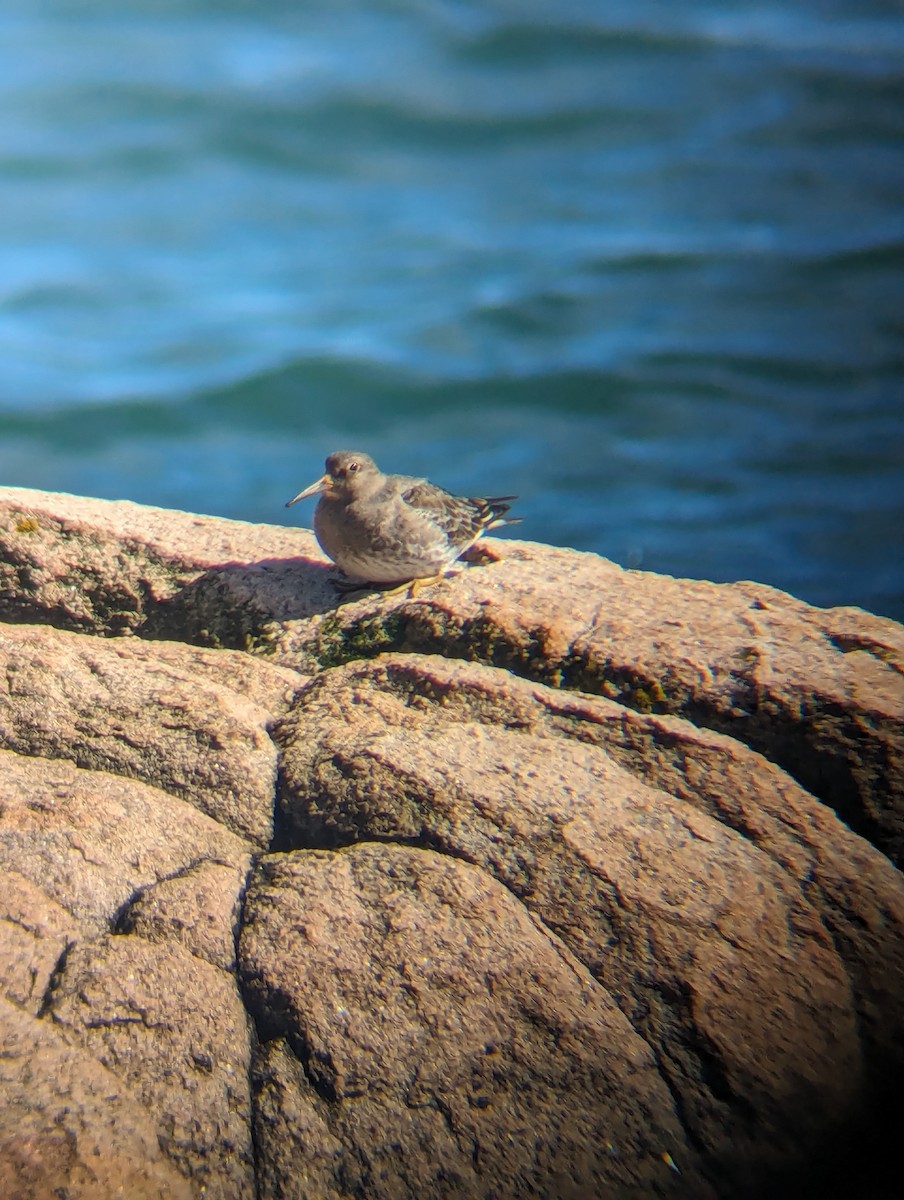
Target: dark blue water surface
x,y
641,264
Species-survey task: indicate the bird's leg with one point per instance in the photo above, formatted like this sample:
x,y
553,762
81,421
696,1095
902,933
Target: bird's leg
x,y
416,584
395,590
348,587
411,586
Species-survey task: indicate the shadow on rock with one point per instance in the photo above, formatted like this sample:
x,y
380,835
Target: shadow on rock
x,y
237,605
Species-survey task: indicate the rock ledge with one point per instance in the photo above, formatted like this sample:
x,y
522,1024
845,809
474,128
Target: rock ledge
x,y
557,880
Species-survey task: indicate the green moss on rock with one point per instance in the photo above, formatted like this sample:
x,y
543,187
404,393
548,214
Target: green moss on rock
x,y
340,642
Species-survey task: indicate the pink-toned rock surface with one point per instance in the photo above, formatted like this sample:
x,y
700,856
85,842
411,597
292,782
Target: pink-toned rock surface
x,y
445,1043
597,942
174,1029
92,842
110,567
723,955
200,908
359,711
35,932
188,721
819,691
84,852
69,1127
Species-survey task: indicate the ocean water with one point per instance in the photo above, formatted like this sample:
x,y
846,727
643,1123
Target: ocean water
x,y
641,265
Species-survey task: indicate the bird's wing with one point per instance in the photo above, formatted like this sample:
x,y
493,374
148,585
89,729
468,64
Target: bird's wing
x,y
461,518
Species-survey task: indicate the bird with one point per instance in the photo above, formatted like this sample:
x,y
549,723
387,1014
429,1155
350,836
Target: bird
x,y
395,529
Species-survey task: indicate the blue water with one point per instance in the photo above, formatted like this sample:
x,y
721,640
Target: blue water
x,y
640,264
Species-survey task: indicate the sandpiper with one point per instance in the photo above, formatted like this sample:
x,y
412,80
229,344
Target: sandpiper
x,y
395,529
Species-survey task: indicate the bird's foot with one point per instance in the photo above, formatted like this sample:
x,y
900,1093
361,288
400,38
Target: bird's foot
x,y
417,584
412,586
349,588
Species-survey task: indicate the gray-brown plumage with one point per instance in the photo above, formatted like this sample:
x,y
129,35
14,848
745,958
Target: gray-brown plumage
x,y
395,528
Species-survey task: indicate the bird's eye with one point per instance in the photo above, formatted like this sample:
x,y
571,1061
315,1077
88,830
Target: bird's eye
x,y
353,467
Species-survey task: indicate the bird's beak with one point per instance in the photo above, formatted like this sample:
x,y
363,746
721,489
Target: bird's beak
x,y
310,491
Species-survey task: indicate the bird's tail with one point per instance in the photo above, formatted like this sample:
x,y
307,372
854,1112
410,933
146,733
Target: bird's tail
x,y
494,509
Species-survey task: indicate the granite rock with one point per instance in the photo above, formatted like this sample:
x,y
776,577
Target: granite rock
x,y
175,1030
91,843
425,1036
819,691
69,1126
188,721
531,885
112,567
754,953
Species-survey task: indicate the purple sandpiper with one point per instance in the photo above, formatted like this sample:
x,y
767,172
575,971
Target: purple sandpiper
x,y
395,529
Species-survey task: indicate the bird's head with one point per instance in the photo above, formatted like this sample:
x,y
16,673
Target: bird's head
x,y
347,474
